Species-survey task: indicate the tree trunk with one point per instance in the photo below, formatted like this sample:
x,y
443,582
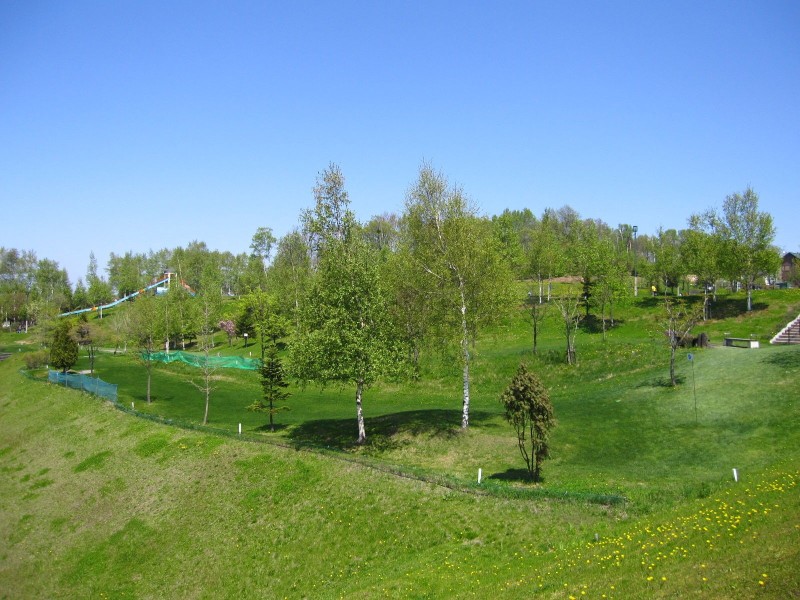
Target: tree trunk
x,y
749,296
570,351
149,367
205,414
672,380
465,357
362,432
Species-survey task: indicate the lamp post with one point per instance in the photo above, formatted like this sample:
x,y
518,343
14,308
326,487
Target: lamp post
x,y
245,340
635,273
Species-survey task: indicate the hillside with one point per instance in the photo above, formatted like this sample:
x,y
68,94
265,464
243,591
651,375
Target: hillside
x,y
99,503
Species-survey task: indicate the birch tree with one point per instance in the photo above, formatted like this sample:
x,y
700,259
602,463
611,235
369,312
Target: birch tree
x,y
146,329
345,334
746,236
568,305
457,259
207,305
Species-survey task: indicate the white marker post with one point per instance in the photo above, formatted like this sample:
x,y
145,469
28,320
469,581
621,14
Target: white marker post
x,y
240,429
132,406
480,475
736,476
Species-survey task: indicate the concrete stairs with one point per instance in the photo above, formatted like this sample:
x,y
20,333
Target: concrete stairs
x,y
789,334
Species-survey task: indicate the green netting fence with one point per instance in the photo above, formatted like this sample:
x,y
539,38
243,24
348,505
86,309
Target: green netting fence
x,y
76,381
199,360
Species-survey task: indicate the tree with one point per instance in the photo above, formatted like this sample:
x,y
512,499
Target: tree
x,y
528,409
80,297
98,290
125,273
261,245
266,321
676,325
670,264
746,237
545,254
229,327
51,284
146,329
702,252
569,307
345,333
457,258
537,311
612,276
289,274
208,303
245,322
63,348
89,336
273,385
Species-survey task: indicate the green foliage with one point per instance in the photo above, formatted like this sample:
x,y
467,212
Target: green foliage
x,y
245,322
457,263
273,385
528,409
36,360
345,333
63,348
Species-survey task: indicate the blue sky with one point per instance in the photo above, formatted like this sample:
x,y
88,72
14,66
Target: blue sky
x,y
142,125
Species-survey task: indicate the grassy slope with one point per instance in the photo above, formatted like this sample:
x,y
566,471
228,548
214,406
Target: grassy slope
x,y
96,502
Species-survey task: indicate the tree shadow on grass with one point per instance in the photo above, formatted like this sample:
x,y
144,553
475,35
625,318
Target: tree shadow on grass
x,y
266,428
514,475
383,432
784,360
662,382
726,308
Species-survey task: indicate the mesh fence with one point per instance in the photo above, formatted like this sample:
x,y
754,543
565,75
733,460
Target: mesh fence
x,y
93,385
199,360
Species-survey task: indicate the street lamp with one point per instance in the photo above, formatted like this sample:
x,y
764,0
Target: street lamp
x,y
635,274
245,340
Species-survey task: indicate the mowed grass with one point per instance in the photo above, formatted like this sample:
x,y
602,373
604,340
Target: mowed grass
x,y
622,430
99,503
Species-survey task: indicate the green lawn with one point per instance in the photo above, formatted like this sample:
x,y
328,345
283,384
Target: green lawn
x,y
97,502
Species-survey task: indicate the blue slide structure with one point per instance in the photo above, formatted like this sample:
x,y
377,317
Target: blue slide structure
x,y
115,302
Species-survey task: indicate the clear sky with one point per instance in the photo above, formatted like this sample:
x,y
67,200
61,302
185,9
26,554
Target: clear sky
x,y
137,125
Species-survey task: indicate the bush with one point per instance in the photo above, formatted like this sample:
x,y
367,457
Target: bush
x,y
36,360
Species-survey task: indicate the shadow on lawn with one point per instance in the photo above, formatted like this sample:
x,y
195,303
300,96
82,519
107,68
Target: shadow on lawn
x,y
784,360
515,475
383,431
662,382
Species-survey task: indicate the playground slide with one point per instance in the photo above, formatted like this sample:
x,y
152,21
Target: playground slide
x,y
115,302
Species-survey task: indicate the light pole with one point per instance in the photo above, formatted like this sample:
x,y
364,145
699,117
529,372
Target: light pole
x,y
635,274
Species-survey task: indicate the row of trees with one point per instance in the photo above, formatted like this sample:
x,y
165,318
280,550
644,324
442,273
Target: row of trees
x,y
362,301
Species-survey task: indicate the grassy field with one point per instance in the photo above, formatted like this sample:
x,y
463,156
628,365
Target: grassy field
x,y
99,503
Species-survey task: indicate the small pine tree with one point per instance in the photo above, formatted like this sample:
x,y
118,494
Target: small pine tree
x,y
273,384
64,348
529,411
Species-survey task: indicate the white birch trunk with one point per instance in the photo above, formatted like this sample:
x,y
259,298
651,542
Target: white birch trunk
x,y
362,432
465,357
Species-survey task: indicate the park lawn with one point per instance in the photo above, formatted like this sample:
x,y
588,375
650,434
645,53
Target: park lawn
x,y
97,502
622,430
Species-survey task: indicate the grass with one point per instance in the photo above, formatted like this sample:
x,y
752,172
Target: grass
x,y
98,503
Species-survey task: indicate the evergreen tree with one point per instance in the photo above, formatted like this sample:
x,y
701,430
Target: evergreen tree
x,y
529,411
63,348
273,384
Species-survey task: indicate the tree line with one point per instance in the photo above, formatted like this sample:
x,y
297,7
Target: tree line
x,y
358,302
